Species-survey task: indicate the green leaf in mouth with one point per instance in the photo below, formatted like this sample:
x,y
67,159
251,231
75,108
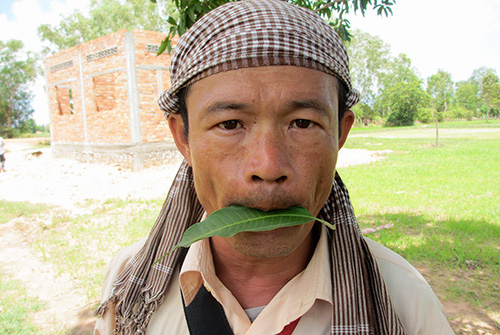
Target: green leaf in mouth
x,y
232,220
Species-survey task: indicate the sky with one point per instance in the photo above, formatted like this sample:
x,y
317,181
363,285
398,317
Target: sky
x,y
457,36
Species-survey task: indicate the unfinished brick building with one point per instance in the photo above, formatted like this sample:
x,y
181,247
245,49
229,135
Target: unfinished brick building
x,y
103,100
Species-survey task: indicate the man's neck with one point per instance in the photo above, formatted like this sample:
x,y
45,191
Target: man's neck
x,y
255,281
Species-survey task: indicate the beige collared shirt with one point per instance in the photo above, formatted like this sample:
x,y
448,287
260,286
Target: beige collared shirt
x,y
308,295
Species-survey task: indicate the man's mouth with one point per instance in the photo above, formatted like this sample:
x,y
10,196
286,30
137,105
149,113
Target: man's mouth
x,y
266,201
266,207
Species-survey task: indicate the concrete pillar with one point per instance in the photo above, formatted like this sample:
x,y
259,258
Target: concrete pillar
x,y
133,99
82,91
48,103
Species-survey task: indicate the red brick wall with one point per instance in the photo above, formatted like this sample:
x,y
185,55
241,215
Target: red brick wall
x,y
105,91
153,123
66,127
106,95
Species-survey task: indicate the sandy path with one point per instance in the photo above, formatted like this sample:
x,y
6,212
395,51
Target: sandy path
x,y
61,301
68,183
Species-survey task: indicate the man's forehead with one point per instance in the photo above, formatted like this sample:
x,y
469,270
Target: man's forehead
x,y
303,77
283,89
303,84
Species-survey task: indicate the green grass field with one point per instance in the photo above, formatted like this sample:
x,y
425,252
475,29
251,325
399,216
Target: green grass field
x,y
11,210
442,204
15,308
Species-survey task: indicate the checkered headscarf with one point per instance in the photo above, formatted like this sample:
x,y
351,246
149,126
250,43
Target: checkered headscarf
x,y
245,34
256,33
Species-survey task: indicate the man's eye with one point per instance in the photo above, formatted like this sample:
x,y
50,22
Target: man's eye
x,y
230,125
301,123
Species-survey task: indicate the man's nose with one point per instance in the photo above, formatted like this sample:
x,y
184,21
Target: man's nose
x,y
268,159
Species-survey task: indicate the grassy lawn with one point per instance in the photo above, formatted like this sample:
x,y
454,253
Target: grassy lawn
x,y
11,210
15,308
84,245
442,204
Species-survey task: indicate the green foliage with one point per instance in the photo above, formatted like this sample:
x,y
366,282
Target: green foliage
x,y
369,60
460,112
16,307
399,70
105,17
477,80
401,93
477,75
405,99
490,92
440,88
232,220
466,95
473,94
364,113
28,126
426,115
188,12
18,69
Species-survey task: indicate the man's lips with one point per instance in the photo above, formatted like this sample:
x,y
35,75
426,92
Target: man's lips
x,y
264,207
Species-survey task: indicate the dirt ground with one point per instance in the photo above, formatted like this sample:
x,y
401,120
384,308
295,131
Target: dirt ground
x,y
34,175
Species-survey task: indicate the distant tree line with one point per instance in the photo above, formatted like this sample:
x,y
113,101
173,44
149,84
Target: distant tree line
x,y
393,94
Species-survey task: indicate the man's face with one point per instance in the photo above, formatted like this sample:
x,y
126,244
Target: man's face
x,y
265,138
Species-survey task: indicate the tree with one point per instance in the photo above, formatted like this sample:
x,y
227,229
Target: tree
x,y
405,99
28,127
466,95
364,113
105,17
399,69
188,12
477,80
17,71
369,58
440,88
477,75
401,93
490,92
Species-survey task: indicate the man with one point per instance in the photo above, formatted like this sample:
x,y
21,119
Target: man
x,y
2,155
259,107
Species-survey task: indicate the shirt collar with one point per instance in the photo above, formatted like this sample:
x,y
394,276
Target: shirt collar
x,y
314,282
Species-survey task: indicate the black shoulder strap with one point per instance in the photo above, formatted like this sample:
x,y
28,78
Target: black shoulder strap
x,y
205,315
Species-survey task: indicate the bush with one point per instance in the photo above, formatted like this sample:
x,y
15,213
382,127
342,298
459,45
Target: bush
x,y
400,117
460,112
16,132
364,113
426,115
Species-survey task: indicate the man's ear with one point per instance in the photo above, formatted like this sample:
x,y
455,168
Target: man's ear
x,y
345,126
176,125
